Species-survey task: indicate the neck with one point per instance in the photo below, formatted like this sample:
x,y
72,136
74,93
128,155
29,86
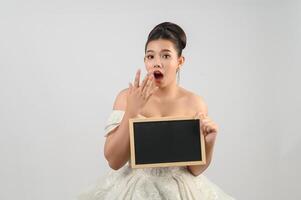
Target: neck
x,y
168,92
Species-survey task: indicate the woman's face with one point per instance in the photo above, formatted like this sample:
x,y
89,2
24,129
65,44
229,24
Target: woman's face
x,y
161,59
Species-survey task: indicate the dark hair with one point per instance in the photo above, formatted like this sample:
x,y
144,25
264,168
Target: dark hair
x,y
169,31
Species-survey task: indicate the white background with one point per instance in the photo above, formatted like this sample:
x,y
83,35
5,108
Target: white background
x,y
62,64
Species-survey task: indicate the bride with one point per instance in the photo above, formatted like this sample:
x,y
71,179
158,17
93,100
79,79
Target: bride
x,y
158,95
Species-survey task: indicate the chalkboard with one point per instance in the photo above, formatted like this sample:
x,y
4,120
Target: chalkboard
x,y
166,141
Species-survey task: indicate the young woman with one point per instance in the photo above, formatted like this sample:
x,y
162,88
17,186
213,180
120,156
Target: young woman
x,y
158,95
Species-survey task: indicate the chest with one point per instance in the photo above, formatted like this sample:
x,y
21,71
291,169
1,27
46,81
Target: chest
x,y
167,108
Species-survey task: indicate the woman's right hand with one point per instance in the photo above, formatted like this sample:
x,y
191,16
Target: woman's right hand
x,y
138,94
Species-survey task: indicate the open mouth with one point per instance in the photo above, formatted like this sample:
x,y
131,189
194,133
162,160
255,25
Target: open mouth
x,y
158,75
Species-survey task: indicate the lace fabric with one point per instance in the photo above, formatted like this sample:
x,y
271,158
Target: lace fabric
x,y
162,183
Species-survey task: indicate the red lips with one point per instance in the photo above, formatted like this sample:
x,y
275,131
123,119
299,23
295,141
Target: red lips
x,y
158,74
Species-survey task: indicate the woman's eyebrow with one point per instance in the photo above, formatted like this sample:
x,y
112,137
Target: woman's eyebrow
x,y
161,50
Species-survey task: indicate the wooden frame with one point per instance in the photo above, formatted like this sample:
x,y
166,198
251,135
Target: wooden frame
x,y
133,163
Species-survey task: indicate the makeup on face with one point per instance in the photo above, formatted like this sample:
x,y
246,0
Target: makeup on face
x,y
160,53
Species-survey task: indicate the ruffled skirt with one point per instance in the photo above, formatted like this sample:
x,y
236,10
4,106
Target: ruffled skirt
x,y
164,183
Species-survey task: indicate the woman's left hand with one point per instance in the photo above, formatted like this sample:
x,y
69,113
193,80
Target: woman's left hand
x,y
208,128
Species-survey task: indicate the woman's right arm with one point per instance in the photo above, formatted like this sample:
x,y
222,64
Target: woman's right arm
x,y
117,145
131,100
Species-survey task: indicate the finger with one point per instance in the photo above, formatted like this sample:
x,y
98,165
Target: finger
x,y
148,76
152,92
203,122
137,78
211,129
144,82
196,115
214,128
203,132
210,138
206,124
208,129
147,87
209,123
206,120
130,87
200,115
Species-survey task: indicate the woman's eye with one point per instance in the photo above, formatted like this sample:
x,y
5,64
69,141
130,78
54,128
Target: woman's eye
x,y
149,57
166,56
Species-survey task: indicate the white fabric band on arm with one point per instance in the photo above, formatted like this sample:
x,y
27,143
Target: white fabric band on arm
x,y
113,121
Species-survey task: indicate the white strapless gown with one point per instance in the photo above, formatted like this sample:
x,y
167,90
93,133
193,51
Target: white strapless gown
x,y
162,183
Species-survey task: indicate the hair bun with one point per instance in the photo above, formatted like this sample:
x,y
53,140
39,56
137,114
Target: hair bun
x,y
177,31
170,31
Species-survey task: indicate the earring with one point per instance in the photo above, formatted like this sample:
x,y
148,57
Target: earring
x,y
178,72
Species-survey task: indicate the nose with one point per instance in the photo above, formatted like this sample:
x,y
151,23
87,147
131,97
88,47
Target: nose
x,y
157,65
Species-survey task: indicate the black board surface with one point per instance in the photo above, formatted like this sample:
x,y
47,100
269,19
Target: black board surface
x,y
166,141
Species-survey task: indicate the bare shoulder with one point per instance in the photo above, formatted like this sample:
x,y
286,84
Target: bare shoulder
x,y
121,100
200,104
196,102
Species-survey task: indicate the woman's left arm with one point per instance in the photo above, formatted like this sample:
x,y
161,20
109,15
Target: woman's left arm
x,y
209,146
209,129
